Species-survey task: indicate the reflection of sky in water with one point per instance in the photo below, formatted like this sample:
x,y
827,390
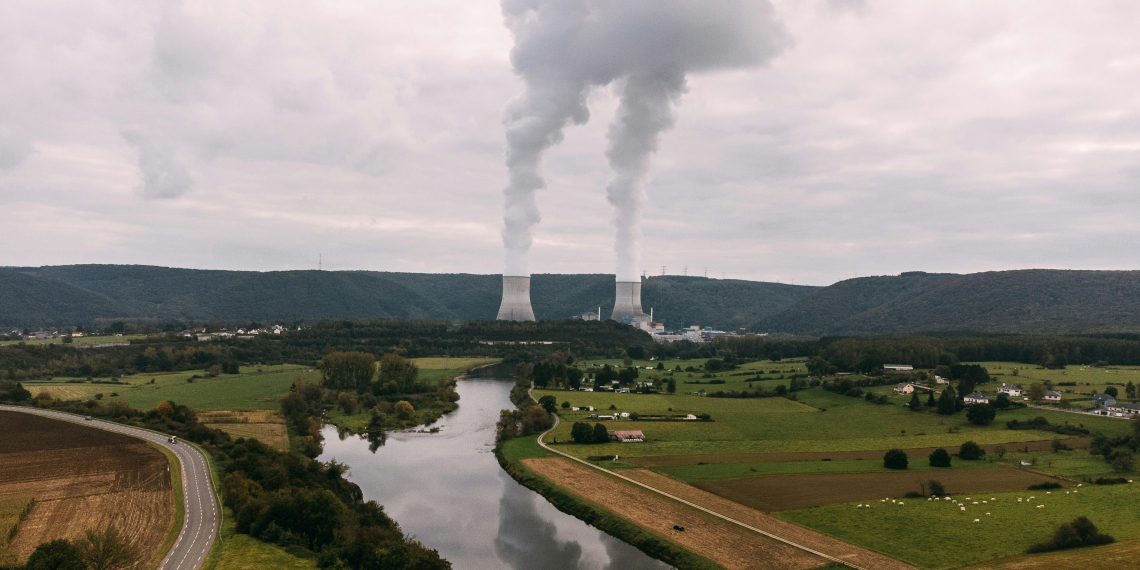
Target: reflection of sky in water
x,y
448,491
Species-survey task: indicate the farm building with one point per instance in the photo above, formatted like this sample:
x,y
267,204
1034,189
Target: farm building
x,y
975,398
627,436
1124,409
1104,400
897,367
1009,390
1052,396
941,380
904,388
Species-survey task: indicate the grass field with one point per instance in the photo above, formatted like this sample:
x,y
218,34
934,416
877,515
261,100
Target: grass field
x,y
80,341
1090,380
950,537
12,509
257,388
770,468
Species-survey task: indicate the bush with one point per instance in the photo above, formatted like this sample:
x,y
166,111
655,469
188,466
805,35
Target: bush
x,y
940,458
1110,481
981,414
1080,532
971,451
895,459
936,487
1044,486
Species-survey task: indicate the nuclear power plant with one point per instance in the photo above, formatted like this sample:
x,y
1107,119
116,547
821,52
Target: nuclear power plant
x,y
516,299
627,303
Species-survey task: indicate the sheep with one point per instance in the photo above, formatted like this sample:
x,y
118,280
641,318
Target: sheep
x,y
1048,492
963,508
900,503
1041,506
977,520
987,514
975,502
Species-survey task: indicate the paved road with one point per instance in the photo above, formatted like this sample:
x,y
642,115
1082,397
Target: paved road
x,y
200,525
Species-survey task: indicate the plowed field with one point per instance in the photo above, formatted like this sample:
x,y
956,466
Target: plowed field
x,y
726,544
791,492
82,479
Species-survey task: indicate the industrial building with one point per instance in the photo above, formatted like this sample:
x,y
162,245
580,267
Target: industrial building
x,y
516,299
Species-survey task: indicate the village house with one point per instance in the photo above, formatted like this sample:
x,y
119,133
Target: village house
x,y
975,398
627,436
1104,400
940,380
1119,409
1052,396
898,367
1009,390
904,388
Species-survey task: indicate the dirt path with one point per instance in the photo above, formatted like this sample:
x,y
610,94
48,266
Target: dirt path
x,y
820,542
729,545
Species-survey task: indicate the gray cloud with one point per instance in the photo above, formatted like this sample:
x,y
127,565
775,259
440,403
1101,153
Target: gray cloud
x,y
163,176
13,150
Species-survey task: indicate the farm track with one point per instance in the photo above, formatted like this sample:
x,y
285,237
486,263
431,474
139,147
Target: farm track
x,y
201,519
837,556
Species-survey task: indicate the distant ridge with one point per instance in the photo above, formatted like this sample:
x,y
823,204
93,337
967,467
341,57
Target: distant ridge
x,y
1022,301
88,294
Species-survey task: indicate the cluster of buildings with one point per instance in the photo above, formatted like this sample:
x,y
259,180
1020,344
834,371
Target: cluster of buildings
x,y
201,334
1102,404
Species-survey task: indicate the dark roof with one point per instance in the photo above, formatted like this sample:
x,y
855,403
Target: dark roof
x,y
976,395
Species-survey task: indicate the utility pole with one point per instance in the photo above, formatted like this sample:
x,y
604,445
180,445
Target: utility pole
x,y
320,262
662,270
706,272
686,272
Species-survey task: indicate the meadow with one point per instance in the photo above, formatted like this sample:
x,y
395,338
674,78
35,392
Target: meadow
x,y
938,534
78,341
1089,379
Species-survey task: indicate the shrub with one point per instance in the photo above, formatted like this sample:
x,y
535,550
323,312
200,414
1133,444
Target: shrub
x,y
895,459
1044,486
940,458
936,487
981,414
1080,532
565,405
1110,481
971,451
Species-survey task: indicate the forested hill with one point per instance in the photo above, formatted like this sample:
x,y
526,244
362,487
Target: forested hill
x,y
98,294
1026,301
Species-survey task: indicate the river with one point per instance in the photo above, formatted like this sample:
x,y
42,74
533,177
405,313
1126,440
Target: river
x,y
447,490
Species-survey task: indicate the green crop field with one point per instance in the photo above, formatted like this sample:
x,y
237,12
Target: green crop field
x,y
257,387
79,341
938,534
10,510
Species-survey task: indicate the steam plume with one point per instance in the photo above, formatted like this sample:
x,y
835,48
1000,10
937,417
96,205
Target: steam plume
x,y
563,48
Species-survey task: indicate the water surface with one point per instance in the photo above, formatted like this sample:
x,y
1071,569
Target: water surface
x,y
448,491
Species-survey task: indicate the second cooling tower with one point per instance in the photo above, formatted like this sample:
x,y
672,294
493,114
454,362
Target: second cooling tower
x,y
627,303
516,299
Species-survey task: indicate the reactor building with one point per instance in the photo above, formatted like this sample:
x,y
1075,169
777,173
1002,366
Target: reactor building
x,y
516,299
627,304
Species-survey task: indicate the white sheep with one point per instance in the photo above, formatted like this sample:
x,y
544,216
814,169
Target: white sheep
x,y
977,520
963,508
900,503
1041,506
975,502
987,514
1080,484
1048,492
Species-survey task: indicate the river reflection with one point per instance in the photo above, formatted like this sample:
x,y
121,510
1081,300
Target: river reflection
x,y
448,491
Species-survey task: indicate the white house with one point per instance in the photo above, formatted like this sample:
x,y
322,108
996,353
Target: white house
x,y
975,398
1119,409
941,380
1009,390
1052,396
898,367
904,388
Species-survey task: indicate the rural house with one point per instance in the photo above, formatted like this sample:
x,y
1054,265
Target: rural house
x,y
1119,409
1009,390
941,380
904,388
975,398
1104,400
1052,396
627,436
897,367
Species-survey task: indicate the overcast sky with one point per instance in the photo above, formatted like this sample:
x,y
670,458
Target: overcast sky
x,y
887,137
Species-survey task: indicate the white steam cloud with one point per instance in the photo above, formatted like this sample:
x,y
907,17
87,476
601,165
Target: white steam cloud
x,y
563,48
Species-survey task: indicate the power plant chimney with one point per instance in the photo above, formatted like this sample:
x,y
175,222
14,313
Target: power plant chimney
x,y
627,303
516,299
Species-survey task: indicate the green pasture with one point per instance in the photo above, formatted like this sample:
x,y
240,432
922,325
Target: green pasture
x,y
78,341
818,421
445,368
1089,379
763,469
937,534
257,387
10,510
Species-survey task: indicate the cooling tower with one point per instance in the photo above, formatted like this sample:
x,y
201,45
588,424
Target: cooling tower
x,y
627,304
516,299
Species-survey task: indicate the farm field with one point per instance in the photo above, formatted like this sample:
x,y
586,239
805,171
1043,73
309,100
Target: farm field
x,y
706,472
267,426
80,341
1089,379
1123,554
82,479
729,545
12,511
243,552
256,388
890,528
788,492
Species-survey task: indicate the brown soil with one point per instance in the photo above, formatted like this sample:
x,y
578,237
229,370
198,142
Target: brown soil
x,y
729,545
267,426
795,533
83,479
673,460
791,492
